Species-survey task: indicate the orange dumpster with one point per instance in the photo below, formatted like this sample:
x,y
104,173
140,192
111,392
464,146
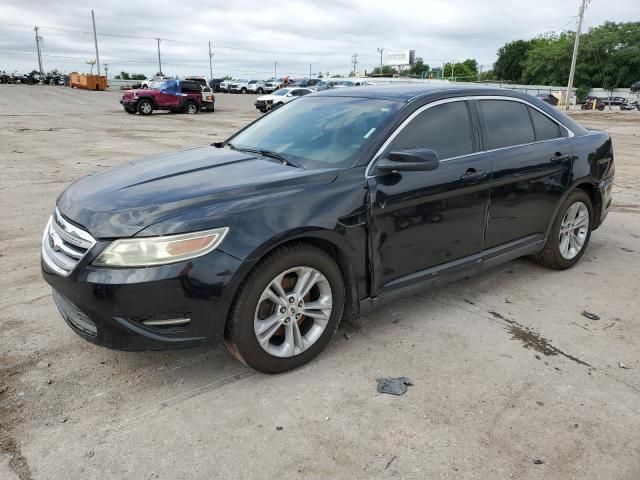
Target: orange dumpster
x,y
87,82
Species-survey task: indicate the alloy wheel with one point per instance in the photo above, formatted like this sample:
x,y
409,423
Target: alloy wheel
x,y
574,230
293,311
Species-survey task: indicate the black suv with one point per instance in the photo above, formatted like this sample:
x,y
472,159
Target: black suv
x,y
269,238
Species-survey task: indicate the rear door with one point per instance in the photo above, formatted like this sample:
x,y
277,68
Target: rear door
x,y
424,224
530,156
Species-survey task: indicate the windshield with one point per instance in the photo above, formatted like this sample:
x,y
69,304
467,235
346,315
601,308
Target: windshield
x,y
281,92
318,132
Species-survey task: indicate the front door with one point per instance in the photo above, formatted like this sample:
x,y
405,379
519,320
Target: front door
x,y
423,223
531,163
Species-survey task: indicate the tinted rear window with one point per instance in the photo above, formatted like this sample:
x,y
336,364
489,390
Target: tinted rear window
x,y
445,129
544,127
507,123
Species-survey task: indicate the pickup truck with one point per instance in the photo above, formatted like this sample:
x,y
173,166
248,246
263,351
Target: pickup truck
x,y
175,95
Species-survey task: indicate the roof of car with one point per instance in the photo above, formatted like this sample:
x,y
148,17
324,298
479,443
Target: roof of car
x,y
409,91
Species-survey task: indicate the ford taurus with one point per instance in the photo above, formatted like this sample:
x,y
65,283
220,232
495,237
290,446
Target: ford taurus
x,y
328,206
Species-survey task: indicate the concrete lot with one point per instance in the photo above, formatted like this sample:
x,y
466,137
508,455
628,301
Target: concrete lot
x,y
511,381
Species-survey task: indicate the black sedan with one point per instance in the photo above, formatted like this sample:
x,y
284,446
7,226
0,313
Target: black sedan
x,y
328,206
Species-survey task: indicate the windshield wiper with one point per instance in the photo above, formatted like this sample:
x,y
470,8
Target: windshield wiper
x,y
264,153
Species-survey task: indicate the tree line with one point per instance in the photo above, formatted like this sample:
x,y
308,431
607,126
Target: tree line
x,y
609,57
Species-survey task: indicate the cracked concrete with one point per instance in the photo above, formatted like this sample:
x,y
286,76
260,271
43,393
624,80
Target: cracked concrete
x,y
487,402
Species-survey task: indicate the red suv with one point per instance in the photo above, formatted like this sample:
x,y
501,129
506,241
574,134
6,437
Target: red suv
x,y
174,95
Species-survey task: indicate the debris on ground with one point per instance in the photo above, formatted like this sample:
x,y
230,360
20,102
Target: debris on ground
x,y
390,462
537,461
622,365
346,336
279,428
393,386
589,315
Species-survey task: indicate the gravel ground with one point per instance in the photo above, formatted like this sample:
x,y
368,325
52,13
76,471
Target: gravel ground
x,y
510,380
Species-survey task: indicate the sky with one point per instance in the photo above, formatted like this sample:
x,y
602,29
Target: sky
x,y
249,36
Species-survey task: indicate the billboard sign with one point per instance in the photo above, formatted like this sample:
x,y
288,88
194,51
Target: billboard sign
x,y
401,58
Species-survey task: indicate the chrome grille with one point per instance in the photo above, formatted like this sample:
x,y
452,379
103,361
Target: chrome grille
x,y
64,244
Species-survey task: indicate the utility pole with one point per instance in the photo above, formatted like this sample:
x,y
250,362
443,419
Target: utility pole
x,y
210,62
380,50
159,59
38,38
95,40
312,63
572,72
275,69
354,60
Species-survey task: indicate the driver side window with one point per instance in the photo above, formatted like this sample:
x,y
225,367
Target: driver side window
x,y
445,129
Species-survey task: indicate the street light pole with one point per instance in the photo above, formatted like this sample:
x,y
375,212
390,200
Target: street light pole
x,y
38,38
159,59
95,40
354,59
312,63
275,69
380,50
574,57
210,62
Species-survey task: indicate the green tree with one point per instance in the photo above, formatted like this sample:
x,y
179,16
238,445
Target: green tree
x,y
386,70
508,66
466,71
609,57
418,68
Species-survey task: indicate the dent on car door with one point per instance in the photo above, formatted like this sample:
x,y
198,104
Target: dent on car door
x,y
531,160
423,222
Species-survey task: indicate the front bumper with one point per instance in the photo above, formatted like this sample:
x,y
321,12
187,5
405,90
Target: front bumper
x,y
170,306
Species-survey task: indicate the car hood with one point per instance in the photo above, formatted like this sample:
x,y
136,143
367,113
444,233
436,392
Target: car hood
x,y
123,200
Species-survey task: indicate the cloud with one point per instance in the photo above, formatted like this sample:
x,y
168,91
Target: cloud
x,y
249,36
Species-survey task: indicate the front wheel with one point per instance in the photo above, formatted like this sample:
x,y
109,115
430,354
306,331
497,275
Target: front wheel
x,y
259,91
145,107
131,110
287,309
243,90
570,234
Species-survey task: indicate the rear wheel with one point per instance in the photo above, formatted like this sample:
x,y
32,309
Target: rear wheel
x,y
145,107
243,90
190,108
570,234
259,91
287,309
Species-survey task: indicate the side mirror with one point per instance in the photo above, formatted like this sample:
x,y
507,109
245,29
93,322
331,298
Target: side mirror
x,y
411,160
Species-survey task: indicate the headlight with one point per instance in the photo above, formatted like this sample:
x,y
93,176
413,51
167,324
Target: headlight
x,y
145,252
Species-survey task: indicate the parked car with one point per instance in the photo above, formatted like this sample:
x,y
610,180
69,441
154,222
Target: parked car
x,y
306,82
327,84
174,95
226,84
208,99
239,86
280,97
352,83
549,98
273,84
214,83
617,101
268,238
158,78
256,86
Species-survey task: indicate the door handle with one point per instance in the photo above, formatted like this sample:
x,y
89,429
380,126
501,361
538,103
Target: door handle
x,y
473,176
559,158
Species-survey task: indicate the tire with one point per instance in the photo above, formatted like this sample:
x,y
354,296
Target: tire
x,y
131,110
259,91
243,90
145,107
551,255
190,108
251,310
